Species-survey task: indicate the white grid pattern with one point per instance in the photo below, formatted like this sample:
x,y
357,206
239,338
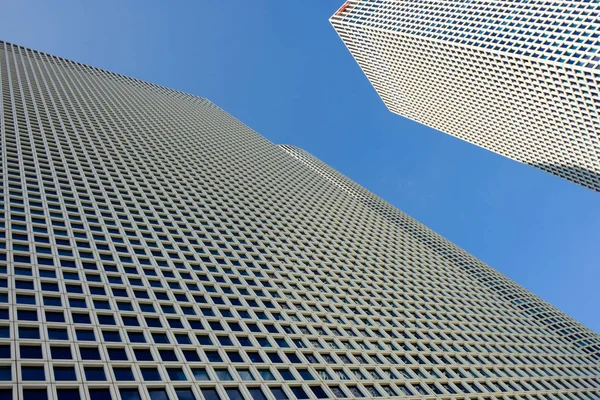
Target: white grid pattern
x,y
153,247
517,77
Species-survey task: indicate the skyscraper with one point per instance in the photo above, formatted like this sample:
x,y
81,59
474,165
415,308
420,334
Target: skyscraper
x,y
517,77
154,247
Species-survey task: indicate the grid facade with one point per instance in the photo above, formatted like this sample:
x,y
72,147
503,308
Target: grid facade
x,y
517,77
154,247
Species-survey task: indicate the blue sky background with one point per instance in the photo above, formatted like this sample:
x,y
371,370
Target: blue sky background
x,y
279,67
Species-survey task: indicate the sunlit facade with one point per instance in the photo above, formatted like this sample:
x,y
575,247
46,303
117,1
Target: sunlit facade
x,y
517,77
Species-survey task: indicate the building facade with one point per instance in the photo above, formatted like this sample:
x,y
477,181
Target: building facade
x,y
518,77
154,247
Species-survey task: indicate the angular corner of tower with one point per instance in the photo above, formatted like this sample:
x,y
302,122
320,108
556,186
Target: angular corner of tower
x,y
287,146
340,11
292,150
208,102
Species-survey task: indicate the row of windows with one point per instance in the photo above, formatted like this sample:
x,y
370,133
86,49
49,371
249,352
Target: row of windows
x,y
149,372
154,393
255,393
182,297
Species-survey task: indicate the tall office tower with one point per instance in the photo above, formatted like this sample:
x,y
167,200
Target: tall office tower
x,y
154,247
517,77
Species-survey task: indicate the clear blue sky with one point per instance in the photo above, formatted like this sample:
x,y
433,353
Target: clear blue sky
x,y
278,66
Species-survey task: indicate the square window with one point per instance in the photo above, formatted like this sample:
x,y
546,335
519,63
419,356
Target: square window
x,y
79,318
111,336
246,374
94,373
119,292
130,320
200,374
124,306
183,338
299,392
58,334
153,322
49,286
176,374
27,315
5,351
101,304
143,355
279,394
54,316
93,278
266,374
167,355
97,290
286,374
129,394
234,356
305,374
255,357
64,373
5,373
204,340
320,393
77,303
35,394
160,337
234,394
257,394
68,394
223,374
196,324
100,394
28,333
213,356
225,340
158,394
215,326
147,307
150,374
123,373
25,299
89,353
117,354
185,394
210,394
27,285
52,301
74,289
33,373
31,352
191,355
175,323
105,319
136,337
